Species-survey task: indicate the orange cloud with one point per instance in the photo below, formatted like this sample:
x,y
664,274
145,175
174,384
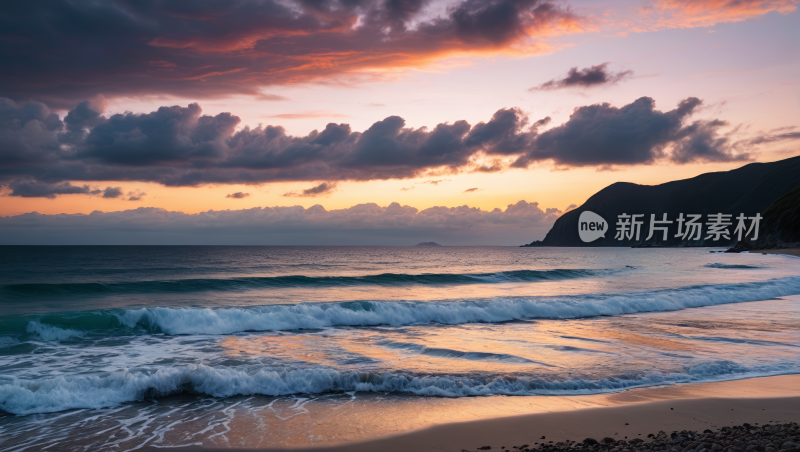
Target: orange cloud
x,y
198,50
704,13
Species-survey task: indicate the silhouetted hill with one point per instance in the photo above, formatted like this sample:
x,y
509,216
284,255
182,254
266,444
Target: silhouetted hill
x,y
781,224
749,190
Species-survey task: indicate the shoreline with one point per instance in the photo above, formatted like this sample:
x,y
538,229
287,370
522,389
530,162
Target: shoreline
x,y
629,414
783,252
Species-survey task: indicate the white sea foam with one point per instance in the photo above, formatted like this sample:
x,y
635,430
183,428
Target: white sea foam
x,y
52,333
125,379
50,394
322,315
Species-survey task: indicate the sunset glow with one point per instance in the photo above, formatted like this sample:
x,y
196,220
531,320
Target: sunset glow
x,y
288,104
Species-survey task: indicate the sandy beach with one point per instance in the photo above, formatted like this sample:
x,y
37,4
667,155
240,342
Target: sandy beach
x,y
625,415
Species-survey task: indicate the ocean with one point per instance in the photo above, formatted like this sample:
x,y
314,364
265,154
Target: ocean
x,y
115,348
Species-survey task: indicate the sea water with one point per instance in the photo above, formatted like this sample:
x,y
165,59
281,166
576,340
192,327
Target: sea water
x,y
119,347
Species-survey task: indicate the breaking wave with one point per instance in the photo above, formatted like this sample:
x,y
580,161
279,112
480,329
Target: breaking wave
x,y
371,313
50,394
52,333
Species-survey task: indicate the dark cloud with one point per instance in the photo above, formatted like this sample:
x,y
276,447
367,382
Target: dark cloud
x,y
33,189
136,195
471,190
170,134
493,168
112,192
585,78
324,188
65,51
28,134
237,195
398,12
637,133
701,141
773,137
86,115
504,133
363,224
179,146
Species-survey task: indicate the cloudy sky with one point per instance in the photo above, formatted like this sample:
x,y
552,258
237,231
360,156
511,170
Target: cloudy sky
x,y
374,122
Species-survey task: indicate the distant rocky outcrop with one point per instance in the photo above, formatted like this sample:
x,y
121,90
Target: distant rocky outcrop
x,y
427,244
741,245
781,224
749,190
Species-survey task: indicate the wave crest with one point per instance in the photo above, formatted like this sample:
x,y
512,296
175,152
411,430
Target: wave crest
x,y
52,333
50,394
397,313
323,315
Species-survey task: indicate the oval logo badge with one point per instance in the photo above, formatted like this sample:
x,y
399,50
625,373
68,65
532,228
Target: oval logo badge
x,y
591,226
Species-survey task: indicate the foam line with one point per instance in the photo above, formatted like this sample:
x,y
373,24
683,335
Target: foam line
x,y
397,313
50,394
323,315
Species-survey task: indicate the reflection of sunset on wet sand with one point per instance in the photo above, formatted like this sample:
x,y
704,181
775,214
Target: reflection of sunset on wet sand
x,y
302,422
590,349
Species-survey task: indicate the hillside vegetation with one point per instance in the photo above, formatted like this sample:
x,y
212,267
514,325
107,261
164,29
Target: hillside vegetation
x,y
781,223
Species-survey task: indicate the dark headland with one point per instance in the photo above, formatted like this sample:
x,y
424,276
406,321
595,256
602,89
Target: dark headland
x,y
780,233
782,223
751,189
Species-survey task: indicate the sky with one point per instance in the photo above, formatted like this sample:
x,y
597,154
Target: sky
x,y
358,122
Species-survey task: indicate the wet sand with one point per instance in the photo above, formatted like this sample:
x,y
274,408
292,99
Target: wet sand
x,y
789,251
632,414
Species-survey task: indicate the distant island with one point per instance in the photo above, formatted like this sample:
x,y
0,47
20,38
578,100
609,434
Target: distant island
x,y
749,189
427,244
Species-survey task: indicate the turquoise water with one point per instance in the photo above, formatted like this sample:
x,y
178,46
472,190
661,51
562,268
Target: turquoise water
x,y
109,333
